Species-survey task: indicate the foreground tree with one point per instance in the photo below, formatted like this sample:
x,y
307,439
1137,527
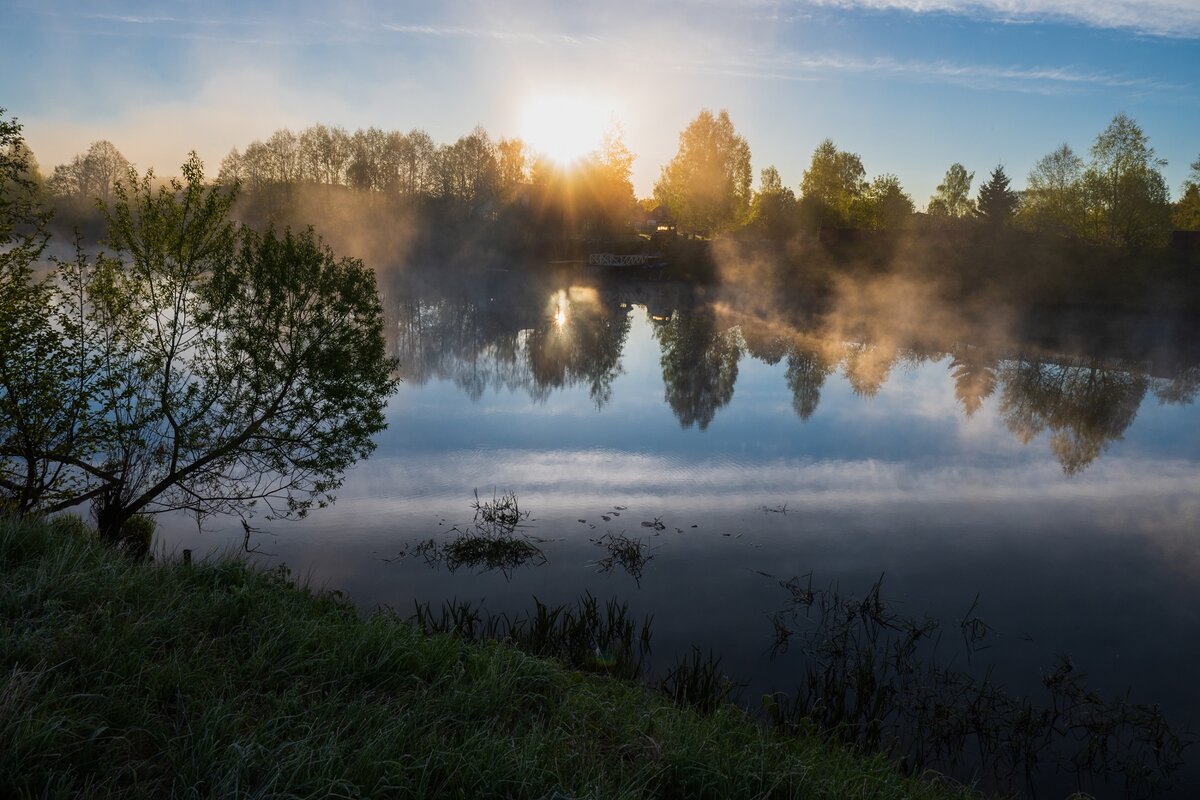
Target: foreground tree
x,y
707,184
953,197
34,416
214,367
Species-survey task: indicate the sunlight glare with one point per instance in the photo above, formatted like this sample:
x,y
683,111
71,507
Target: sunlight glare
x,y
560,310
561,126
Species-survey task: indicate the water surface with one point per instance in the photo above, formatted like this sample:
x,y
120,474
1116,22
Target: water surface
x,y
1045,462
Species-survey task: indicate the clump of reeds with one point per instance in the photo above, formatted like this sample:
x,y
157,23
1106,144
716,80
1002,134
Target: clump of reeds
x,y
876,679
627,552
492,542
697,680
584,635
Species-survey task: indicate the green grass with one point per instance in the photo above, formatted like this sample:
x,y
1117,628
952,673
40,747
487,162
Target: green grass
x,y
124,678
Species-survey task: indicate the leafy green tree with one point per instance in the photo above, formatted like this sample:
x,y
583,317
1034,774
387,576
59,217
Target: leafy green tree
x,y
773,211
219,367
707,184
833,187
885,204
1053,201
997,202
1127,196
953,197
35,416
1187,210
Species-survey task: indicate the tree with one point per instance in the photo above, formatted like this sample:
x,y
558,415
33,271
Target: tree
x,y
89,176
953,198
833,186
324,153
707,184
1187,210
885,204
997,202
773,212
34,416
1128,201
219,367
1053,200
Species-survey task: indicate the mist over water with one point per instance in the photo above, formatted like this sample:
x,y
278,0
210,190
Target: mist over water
x,y
1044,460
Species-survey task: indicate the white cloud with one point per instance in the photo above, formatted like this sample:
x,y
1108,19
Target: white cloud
x,y
1180,18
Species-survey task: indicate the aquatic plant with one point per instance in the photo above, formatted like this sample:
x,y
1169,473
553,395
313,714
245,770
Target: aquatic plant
x,y
626,552
879,680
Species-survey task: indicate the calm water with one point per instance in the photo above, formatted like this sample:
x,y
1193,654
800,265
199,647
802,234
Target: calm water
x,y
1047,465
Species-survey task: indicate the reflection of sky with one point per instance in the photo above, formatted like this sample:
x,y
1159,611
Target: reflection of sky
x,y
1103,565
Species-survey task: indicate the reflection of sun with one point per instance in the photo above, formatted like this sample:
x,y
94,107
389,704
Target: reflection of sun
x,y
560,310
562,126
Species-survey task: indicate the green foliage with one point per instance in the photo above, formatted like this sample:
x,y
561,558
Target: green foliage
x,y
1187,210
34,414
953,197
833,187
127,679
773,211
1054,201
707,184
204,367
1128,203
997,202
885,204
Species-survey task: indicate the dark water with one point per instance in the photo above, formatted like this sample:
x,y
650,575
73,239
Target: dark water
x,y
1045,462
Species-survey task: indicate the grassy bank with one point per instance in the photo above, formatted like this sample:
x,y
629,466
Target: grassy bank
x,y
120,678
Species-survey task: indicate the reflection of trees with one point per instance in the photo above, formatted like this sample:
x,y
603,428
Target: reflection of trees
x,y
806,374
1084,406
586,350
493,348
457,341
699,364
866,367
974,374
1180,390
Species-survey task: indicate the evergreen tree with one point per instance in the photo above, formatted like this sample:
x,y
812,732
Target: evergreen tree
x,y
997,202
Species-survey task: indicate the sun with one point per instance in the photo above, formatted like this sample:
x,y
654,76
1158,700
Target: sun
x,y
562,126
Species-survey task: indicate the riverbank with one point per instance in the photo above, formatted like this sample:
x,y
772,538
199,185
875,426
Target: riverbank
x,y
131,679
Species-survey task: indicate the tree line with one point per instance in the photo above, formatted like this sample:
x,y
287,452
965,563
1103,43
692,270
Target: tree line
x,y
1117,196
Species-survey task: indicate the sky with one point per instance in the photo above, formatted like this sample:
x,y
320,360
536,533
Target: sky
x,y
912,86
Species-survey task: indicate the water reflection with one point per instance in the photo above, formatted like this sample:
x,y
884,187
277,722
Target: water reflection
x,y
699,364
485,345
1081,390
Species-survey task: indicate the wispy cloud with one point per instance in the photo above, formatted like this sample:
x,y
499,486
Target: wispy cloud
x,y
1176,18
497,34
1042,80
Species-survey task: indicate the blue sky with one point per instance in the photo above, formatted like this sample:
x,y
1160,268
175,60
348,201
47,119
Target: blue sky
x,y
910,85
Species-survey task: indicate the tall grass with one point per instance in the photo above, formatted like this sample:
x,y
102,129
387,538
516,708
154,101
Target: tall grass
x,y
120,678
